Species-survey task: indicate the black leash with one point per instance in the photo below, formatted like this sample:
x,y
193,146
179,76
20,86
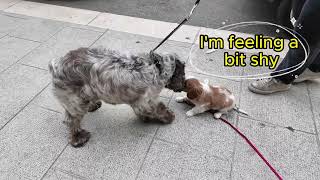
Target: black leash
x,y
182,22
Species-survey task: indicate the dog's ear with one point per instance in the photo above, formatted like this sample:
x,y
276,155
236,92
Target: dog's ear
x,y
194,88
157,60
194,93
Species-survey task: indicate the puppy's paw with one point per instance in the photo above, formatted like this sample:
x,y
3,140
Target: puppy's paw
x,y
190,113
180,99
80,138
217,115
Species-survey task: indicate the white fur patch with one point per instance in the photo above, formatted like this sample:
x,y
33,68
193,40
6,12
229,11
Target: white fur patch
x,y
206,87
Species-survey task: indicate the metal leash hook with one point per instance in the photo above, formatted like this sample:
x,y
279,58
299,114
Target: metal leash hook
x,y
182,22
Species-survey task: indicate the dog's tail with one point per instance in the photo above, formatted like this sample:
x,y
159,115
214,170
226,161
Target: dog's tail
x,y
236,108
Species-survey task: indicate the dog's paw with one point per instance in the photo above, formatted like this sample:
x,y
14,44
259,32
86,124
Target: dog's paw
x,y
168,117
180,99
80,138
190,113
95,106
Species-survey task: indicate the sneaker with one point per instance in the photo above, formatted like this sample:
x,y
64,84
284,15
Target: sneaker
x,y
307,75
268,86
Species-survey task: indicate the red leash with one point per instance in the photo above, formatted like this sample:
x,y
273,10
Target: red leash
x,y
253,147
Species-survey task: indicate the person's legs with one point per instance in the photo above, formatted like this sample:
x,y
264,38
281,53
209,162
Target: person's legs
x,y
283,13
315,65
308,27
297,6
305,26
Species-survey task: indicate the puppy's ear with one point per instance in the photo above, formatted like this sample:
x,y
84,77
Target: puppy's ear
x,y
194,92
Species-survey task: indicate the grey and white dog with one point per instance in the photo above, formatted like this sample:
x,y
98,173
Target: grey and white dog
x,y
86,76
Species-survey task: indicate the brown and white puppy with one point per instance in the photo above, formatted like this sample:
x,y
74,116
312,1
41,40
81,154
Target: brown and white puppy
x,y
206,97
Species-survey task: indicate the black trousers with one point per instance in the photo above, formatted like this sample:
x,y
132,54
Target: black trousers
x,y
307,25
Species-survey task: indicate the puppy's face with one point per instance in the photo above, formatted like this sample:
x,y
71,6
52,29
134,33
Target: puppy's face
x,y
193,88
177,81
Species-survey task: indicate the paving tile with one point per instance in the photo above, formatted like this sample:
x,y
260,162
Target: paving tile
x,y
37,29
8,23
57,174
30,143
7,3
314,90
202,131
166,93
80,26
170,161
12,175
53,12
13,49
2,67
18,85
146,27
293,154
57,46
117,146
18,16
2,35
131,43
288,109
47,100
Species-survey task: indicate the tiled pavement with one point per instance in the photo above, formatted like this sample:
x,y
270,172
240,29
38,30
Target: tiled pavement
x,y
33,139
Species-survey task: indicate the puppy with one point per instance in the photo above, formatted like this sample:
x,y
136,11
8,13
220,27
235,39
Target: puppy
x,y
206,97
85,77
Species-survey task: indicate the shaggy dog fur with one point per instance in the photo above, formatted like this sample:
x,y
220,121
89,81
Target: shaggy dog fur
x,y
85,77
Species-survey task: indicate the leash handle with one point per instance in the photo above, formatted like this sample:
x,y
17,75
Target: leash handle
x,y
179,25
254,148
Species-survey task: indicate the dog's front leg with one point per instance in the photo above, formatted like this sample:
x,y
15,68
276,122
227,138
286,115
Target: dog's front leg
x,y
197,110
78,136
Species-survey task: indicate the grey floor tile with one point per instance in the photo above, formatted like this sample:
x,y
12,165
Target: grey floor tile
x,y
170,161
2,35
293,154
12,49
57,174
289,109
314,90
117,146
131,43
18,85
47,100
202,131
166,93
57,46
2,67
80,26
37,29
31,142
9,23
12,175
